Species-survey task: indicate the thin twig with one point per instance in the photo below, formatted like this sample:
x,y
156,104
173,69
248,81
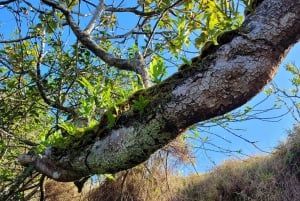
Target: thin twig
x,y
19,39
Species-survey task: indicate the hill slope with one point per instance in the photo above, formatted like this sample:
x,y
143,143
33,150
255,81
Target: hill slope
x,y
275,177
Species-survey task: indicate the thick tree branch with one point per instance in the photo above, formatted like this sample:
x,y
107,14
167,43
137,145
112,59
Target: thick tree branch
x,y
223,79
47,167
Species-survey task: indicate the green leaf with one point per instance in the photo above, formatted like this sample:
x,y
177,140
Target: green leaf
x,y
269,90
186,61
140,104
111,119
3,69
86,84
69,127
157,69
109,176
292,69
247,109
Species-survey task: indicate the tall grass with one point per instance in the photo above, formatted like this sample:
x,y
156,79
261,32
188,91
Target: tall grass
x,y
274,177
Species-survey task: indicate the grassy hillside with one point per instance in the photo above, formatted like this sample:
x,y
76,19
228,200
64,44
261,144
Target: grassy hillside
x,y
275,177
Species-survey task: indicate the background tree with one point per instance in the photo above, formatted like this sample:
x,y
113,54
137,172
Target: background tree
x,y
75,79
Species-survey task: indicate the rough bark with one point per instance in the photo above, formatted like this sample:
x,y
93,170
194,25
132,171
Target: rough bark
x,y
222,80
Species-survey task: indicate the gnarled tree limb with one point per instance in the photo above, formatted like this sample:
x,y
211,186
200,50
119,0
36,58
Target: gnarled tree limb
x,y
225,79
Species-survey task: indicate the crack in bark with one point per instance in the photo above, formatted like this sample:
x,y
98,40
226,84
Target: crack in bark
x,y
170,107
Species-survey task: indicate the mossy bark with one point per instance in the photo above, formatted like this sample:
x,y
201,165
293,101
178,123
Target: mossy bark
x,y
229,76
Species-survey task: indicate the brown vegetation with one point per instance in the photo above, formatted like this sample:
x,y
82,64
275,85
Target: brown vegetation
x,y
58,191
274,177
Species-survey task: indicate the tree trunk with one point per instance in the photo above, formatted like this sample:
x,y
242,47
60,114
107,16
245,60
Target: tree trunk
x,y
226,77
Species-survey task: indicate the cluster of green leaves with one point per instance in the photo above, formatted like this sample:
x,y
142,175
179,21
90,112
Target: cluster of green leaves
x,y
188,26
140,104
203,19
218,17
157,69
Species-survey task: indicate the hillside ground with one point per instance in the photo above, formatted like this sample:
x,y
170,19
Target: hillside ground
x,y
273,177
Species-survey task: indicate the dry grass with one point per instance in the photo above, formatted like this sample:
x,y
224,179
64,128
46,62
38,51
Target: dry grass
x,y
138,184
269,178
274,177
57,191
